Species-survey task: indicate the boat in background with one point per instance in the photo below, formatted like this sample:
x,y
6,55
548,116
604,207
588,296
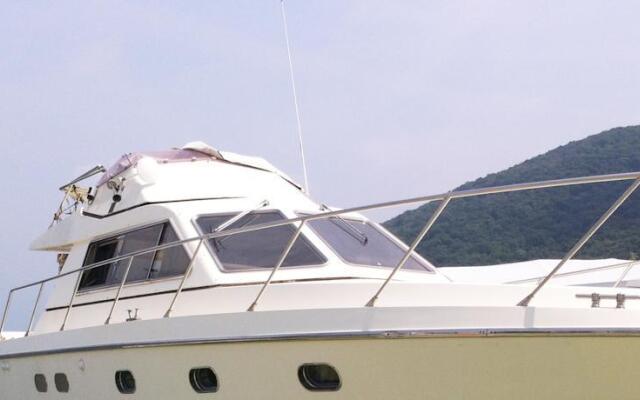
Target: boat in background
x,y
195,271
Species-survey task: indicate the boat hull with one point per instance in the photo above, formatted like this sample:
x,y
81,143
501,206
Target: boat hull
x,y
517,366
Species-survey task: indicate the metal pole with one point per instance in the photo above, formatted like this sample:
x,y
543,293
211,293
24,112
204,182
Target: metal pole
x,y
275,269
576,248
115,300
295,98
73,296
93,171
573,273
33,313
4,313
184,279
239,216
624,273
410,250
58,213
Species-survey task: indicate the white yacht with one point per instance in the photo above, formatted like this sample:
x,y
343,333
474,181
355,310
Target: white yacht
x,y
201,274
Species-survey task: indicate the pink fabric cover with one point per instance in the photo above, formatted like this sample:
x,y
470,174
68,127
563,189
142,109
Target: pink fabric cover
x,y
131,159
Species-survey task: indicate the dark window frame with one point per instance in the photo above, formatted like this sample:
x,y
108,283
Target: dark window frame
x,y
40,382
197,386
120,381
61,382
306,380
115,236
402,246
230,214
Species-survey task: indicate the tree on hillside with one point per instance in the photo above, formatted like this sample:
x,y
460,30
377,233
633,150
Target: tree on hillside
x,y
538,224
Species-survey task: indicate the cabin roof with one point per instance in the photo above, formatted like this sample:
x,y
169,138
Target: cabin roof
x,y
193,151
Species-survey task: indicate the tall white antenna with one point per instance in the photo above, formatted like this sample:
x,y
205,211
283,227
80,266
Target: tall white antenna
x,y
295,98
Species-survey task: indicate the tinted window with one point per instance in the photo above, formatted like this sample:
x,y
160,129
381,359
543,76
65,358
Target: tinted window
x,y
203,380
141,265
125,382
162,263
319,377
99,252
171,261
62,384
41,383
258,249
360,242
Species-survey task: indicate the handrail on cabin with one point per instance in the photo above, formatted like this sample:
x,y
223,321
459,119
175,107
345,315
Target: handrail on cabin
x,y
445,199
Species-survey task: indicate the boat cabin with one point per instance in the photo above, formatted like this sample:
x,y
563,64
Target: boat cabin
x,y
175,207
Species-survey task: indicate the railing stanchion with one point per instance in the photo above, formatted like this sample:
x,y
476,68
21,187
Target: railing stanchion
x,y
584,239
117,298
73,297
184,279
275,269
5,312
434,217
33,312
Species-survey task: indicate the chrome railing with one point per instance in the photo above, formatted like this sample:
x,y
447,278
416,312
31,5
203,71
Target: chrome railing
x,y
626,267
444,198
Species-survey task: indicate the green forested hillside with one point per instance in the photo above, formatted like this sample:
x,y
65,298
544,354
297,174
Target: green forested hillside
x,y
538,224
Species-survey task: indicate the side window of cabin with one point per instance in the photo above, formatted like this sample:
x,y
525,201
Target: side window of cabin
x,y
153,265
261,248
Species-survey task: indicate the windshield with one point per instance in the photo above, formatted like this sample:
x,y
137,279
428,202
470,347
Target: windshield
x,y
260,248
359,242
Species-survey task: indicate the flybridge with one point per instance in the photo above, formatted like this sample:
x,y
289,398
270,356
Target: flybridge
x,y
141,169
193,173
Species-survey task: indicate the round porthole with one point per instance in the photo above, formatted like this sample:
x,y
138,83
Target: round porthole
x,y
319,377
62,383
41,383
125,382
203,380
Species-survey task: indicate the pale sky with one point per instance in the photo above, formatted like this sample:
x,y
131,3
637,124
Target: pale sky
x,y
398,99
